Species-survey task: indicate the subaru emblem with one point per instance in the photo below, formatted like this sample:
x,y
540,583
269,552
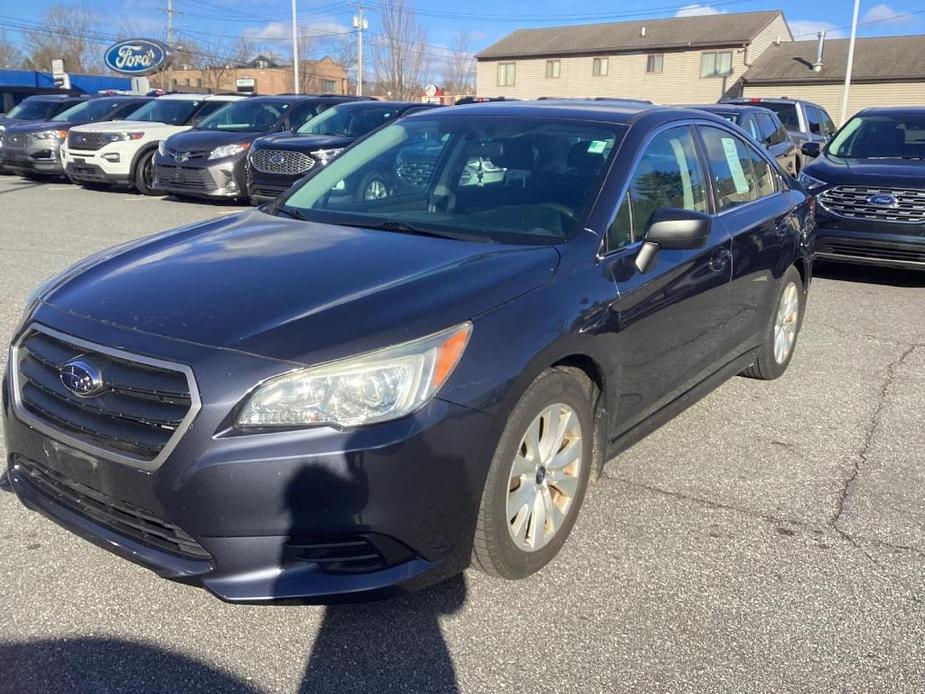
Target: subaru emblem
x,y
182,156
882,200
81,378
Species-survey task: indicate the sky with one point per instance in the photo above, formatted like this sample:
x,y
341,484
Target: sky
x,y
267,22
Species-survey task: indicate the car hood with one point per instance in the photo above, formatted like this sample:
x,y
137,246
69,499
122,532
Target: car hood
x,y
10,122
117,126
200,140
298,291
302,143
888,173
37,126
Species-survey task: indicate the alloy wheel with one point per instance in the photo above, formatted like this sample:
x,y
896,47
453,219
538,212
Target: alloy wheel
x,y
785,324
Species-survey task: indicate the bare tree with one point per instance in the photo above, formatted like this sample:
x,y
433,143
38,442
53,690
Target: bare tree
x,y
343,51
399,50
68,32
459,68
10,55
218,61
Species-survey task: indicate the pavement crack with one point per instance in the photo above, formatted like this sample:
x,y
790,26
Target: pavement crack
x,y
869,336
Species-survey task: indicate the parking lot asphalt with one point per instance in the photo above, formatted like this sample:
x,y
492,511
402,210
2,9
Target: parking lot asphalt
x,y
770,539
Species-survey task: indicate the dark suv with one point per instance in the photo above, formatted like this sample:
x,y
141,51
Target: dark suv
x,y
335,396
870,183
804,120
765,127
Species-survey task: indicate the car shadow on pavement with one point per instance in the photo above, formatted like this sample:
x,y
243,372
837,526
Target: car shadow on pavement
x,y
100,665
868,274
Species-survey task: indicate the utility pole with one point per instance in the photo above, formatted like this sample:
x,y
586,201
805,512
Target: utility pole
x,y
295,51
170,23
850,66
361,25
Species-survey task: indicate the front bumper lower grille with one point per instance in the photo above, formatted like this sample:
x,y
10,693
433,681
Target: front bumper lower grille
x,y
181,177
281,161
136,414
120,516
853,202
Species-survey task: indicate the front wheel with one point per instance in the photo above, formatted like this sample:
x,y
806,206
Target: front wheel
x,y
538,477
782,331
144,174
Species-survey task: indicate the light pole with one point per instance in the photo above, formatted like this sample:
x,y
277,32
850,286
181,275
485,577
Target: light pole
x,y
295,51
850,65
361,25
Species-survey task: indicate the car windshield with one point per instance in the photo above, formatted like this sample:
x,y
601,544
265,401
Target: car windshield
x,y
490,178
348,120
249,115
32,109
170,111
89,110
786,112
899,136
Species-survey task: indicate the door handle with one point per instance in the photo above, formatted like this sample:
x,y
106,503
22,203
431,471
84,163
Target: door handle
x,y
719,260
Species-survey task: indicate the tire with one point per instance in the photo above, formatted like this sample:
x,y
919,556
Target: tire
x,y
770,363
501,546
144,174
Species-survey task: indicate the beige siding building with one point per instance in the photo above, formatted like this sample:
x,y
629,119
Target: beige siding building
x,y
888,71
678,60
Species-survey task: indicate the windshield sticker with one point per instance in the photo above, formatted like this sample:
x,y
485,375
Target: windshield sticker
x,y
597,147
735,165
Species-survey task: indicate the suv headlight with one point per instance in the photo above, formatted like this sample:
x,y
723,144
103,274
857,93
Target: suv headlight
x,y
374,387
228,150
50,134
162,148
123,137
326,155
810,182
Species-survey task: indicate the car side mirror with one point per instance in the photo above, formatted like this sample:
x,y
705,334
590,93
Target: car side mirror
x,y
811,149
673,229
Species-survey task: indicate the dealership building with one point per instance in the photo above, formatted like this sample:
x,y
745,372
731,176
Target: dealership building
x,y
700,59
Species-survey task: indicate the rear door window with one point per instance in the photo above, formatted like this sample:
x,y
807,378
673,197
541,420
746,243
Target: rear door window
x,y
731,168
750,125
770,134
786,112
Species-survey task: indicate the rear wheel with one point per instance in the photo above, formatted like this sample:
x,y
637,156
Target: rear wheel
x,y
144,174
783,329
538,477
374,186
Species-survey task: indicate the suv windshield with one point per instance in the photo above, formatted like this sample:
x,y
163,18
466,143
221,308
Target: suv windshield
x,y
881,137
501,179
32,109
786,112
89,110
250,115
348,121
170,111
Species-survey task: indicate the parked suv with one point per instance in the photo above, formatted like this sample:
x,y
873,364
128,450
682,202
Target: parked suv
x,y
37,108
763,125
334,396
870,184
275,162
34,147
122,152
209,160
804,120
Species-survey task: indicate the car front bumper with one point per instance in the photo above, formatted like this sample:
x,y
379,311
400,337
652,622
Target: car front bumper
x,y
315,515
223,178
38,158
109,164
871,243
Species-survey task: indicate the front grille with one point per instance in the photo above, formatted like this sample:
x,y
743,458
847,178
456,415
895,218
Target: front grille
x,y
875,252
16,140
88,141
137,410
180,177
183,156
281,161
417,173
120,516
853,202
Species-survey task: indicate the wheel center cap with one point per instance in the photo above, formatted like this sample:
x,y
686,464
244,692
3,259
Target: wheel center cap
x,y
540,474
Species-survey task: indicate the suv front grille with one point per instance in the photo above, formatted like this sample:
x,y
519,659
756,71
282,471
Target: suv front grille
x,y
120,516
138,410
88,141
281,161
417,173
16,140
853,202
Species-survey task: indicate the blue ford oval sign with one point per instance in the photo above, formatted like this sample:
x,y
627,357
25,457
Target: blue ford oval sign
x,y
136,56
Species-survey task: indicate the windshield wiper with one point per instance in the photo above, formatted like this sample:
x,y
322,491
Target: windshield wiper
x,y
905,156
405,228
290,212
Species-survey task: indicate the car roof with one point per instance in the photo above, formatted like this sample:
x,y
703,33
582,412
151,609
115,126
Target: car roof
x,y
387,104
894,111
756,101
731,108
202,97
57,97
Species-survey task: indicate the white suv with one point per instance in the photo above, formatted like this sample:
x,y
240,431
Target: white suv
x,y
121,151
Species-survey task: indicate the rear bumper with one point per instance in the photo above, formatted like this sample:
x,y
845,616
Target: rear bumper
x,y
870,247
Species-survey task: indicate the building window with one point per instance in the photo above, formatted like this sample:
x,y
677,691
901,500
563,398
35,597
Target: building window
x,y
655,62
507,74
199,81
328,86
599,67
553,69
716,64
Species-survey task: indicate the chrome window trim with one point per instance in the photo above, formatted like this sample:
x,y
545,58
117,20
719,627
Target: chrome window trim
x,y
29,419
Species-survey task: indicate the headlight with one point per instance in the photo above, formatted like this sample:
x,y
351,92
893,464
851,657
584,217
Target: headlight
x,y
812,183
374,387
326,155
162,148
123,137
228,150
50,134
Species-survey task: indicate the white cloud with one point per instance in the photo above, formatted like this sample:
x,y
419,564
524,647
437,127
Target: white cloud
x,y
806,29
695,9
884,14
282,31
